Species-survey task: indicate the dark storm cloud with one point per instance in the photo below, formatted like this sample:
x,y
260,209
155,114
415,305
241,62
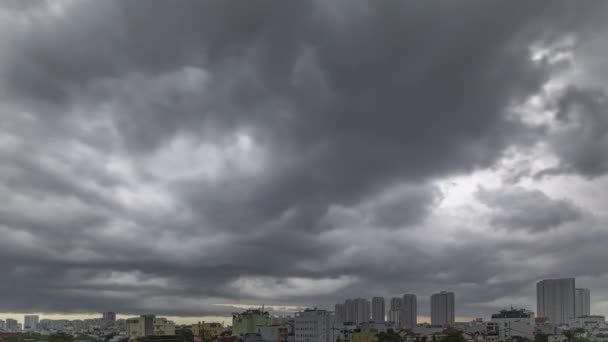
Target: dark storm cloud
x,y
168,155
582,146
517,207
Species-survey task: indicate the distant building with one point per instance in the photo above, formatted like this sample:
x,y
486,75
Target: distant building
x,y
514,323
362,307
442,309
207,329
408,317
377,326
582,301
276,332
354,310
247,322
588,322
149,325
12,325
378,310
340,311
555,299
30,322
477,327
109,316
395,310
313,325
2,325
351,310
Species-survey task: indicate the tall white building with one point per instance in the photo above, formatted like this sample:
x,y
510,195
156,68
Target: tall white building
x,y
582,301
408,316
555,299
30,322
351,310
395,310
378,310
362,310
312,325
396,302
442,308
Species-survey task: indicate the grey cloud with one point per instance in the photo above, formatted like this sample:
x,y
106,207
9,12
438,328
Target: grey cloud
x,y
583,143
132,113
516,208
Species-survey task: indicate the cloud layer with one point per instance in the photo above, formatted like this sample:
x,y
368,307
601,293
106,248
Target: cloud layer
x,y
169,157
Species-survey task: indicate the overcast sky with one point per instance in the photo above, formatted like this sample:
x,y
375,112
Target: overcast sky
x,y
170,156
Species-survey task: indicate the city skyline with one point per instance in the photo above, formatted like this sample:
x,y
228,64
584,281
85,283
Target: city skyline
x,y
355,310
190,158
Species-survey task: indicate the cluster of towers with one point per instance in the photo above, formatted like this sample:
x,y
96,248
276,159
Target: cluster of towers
x,y
402,311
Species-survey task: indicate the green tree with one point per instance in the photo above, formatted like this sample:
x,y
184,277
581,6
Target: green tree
x,y
186,335
454,336
61,338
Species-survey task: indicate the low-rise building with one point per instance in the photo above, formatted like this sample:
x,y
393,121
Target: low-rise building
x,y
247,322
588,322
207,329
478,328
275,332
427,330
378,326
149,325
313,325
365,335
514,323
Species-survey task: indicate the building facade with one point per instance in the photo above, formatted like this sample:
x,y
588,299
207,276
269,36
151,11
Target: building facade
x,y
356,310
12,325
395,310
363,309
30,322
555,299
313,325
276,332
351,311
442,308
149,325
378,309
408,317
582,301
340,311
247,322
588,322
514,323
207,329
